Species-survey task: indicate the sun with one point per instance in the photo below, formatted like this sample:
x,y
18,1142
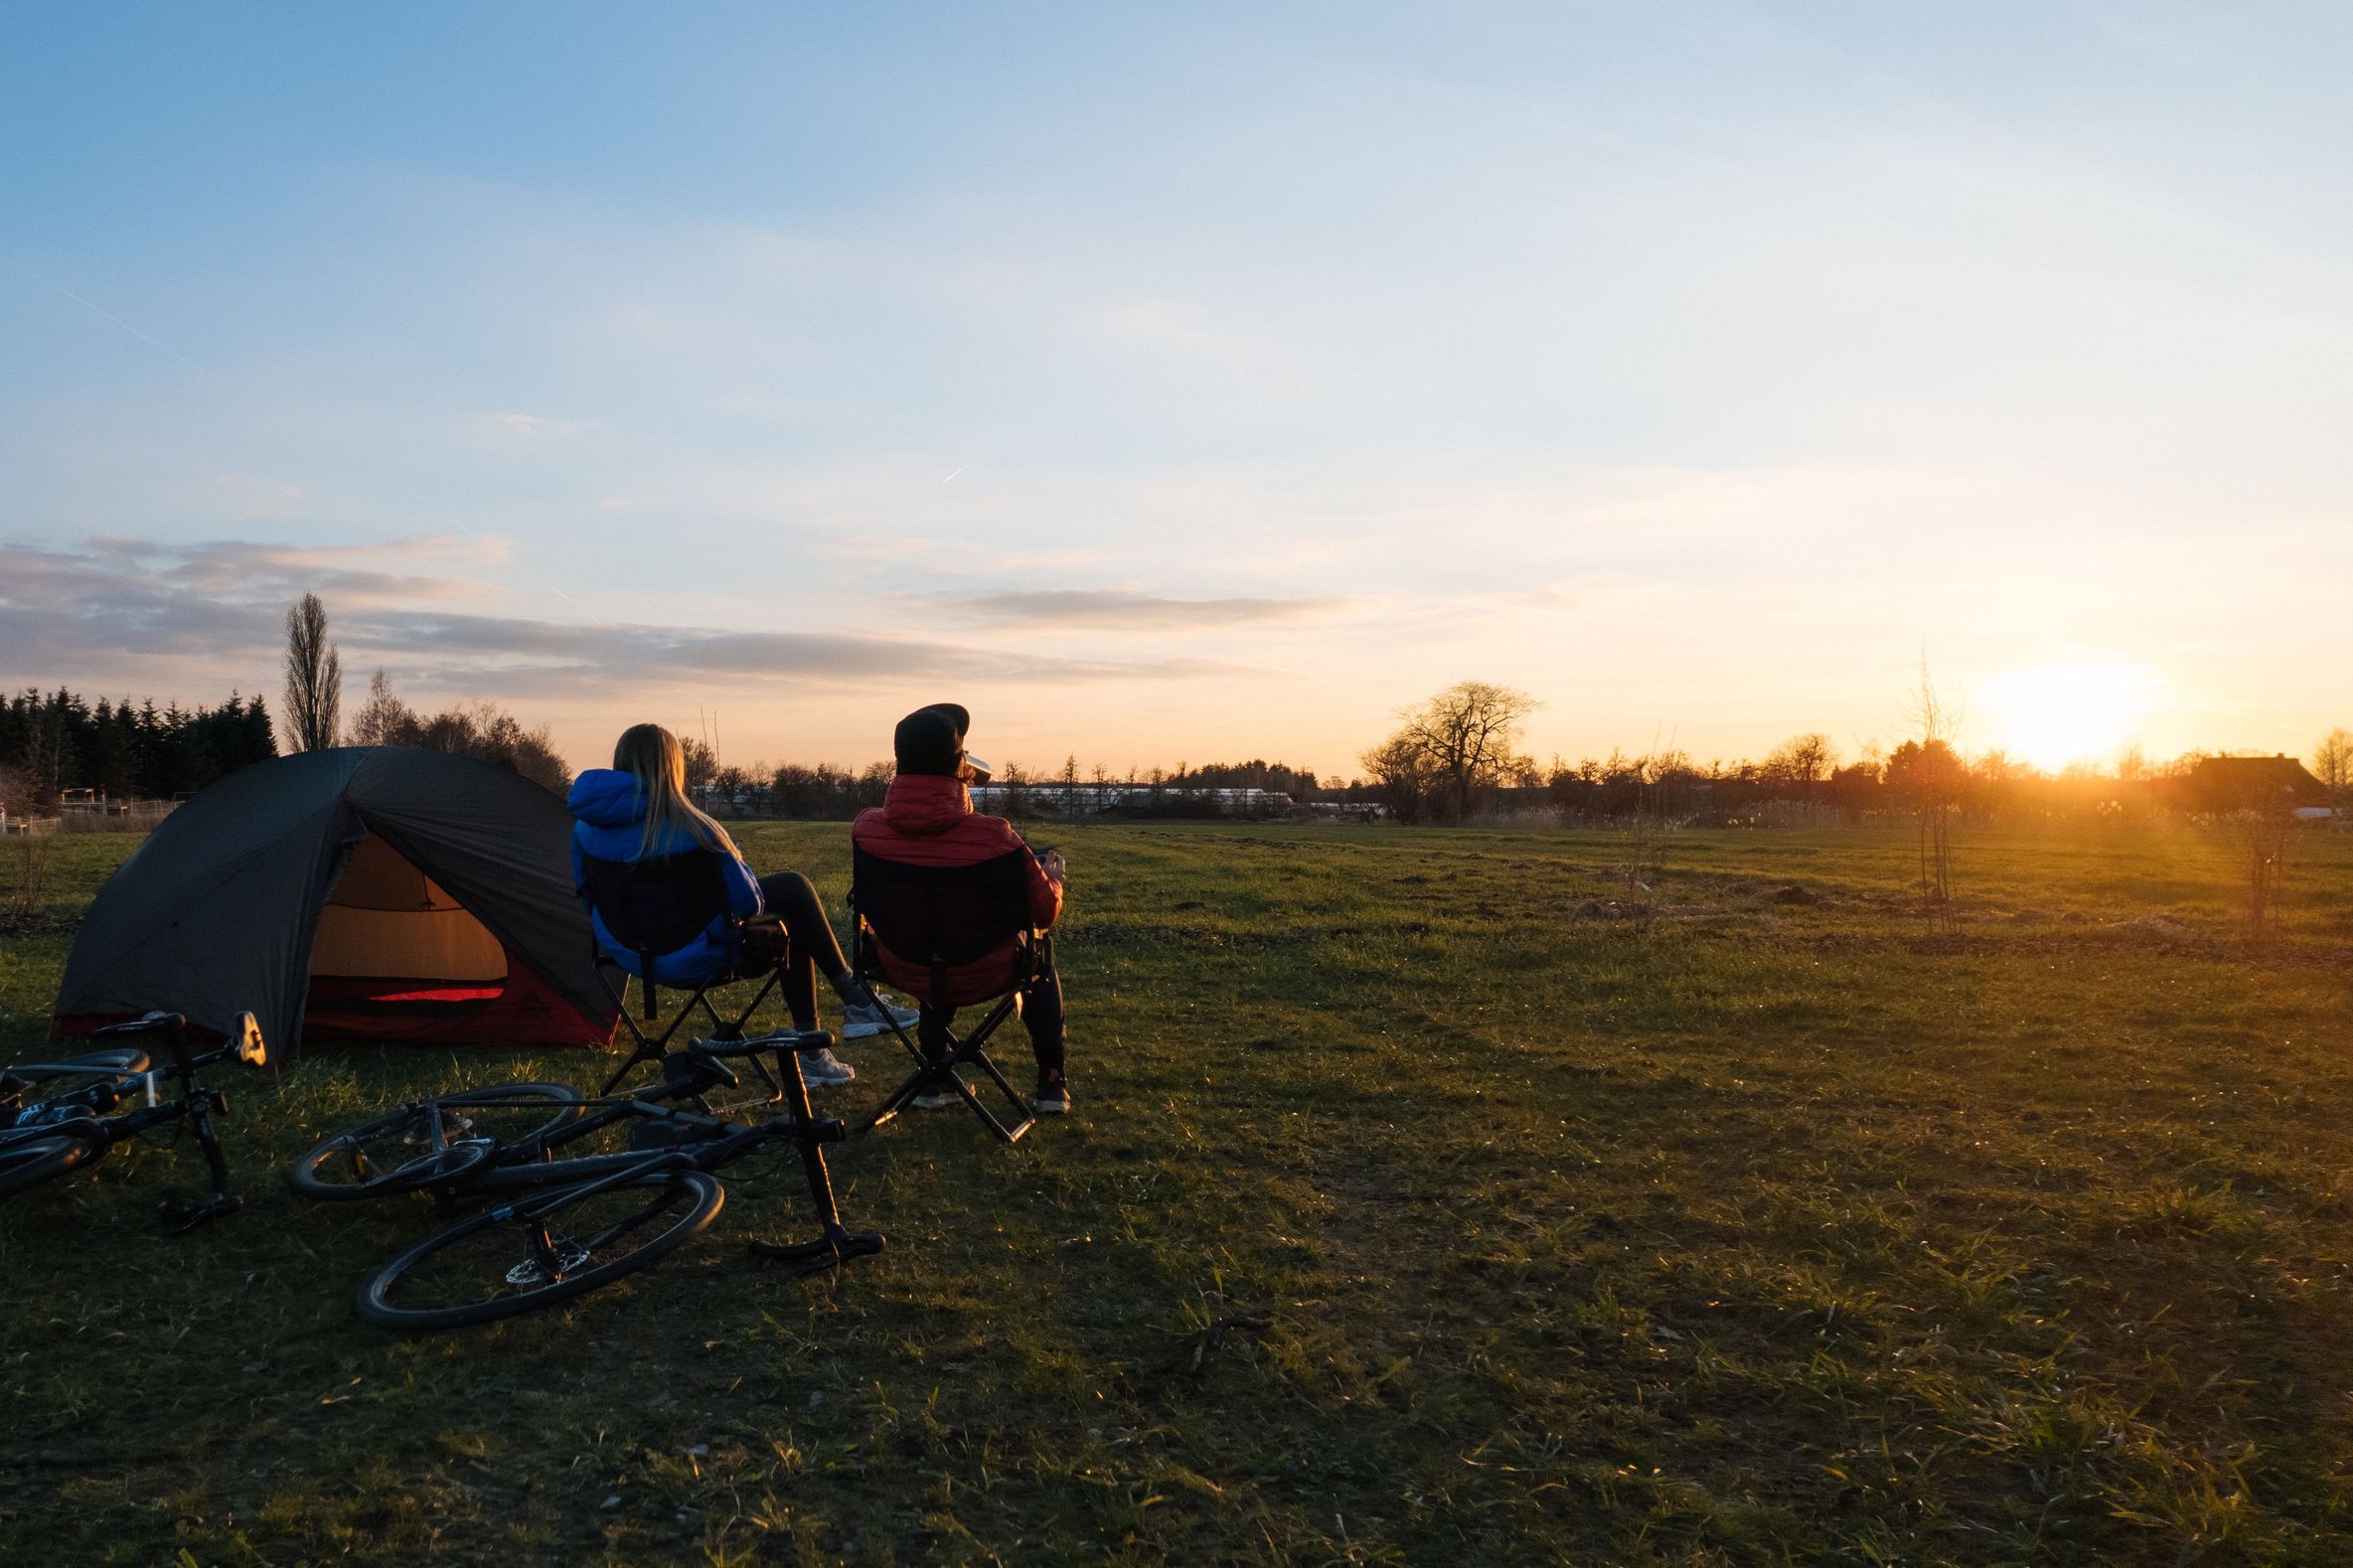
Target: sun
x,y
2061,714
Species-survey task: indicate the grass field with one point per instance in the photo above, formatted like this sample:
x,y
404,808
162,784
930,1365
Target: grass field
x,y
1415,1209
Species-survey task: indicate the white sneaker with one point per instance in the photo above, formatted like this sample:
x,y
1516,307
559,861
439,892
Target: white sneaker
x,y
937,1099
822,1070
863,1019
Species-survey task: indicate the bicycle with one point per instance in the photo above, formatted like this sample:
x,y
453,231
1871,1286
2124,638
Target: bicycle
x,y
77,1121
570,1225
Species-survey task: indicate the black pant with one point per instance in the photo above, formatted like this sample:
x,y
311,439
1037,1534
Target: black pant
x,y
812,948
1041,1014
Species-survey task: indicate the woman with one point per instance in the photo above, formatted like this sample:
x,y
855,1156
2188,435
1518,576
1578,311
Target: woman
x,y
638,809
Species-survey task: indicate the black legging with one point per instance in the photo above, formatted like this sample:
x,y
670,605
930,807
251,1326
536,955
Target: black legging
x,y
812,949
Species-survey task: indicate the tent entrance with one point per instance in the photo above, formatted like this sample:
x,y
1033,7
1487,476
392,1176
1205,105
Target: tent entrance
x,y
396,957
388,922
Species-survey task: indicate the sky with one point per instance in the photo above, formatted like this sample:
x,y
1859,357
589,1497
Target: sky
x,y
1187,384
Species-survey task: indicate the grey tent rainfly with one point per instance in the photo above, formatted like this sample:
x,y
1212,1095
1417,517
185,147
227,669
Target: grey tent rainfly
x,y
376,893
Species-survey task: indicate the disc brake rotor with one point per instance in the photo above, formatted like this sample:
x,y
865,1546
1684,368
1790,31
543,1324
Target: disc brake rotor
x,y
531,1271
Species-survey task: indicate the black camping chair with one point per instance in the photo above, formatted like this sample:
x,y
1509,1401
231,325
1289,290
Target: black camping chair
x,y
945,918
658,905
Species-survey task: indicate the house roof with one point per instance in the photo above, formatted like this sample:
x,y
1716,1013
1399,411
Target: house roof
x,y
2237,783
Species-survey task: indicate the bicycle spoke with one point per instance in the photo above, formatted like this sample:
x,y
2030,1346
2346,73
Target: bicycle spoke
x,y
489,1267
431,1144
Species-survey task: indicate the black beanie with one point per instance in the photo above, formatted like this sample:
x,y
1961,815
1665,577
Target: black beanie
x,y
931,739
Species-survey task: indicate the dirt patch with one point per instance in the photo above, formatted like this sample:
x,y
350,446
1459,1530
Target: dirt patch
x,y
38,923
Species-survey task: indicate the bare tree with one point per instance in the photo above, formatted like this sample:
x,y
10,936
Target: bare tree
x,y
384,720
1929,772
314,678
2264,830
31,873
479,728
1800,762
1455,745
1014,781
2333,764
1401,774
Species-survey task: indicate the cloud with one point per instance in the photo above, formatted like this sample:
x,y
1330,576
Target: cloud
x,y
546,657
114,606
1127,609
539,425
242,570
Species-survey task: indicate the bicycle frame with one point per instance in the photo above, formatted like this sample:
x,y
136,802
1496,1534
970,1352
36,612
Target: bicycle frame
x,y
194,1103
528,1163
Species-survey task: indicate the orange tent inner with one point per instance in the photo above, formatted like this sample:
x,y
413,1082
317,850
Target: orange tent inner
x,y
388,919
396,957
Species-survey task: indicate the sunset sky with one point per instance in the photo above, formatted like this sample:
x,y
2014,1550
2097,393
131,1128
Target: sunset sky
x,y
1193,383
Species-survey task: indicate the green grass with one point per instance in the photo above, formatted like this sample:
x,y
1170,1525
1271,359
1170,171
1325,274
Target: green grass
x,y
1409,1214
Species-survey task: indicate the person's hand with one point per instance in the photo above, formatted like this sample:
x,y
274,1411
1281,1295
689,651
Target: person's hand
x,y
1053,865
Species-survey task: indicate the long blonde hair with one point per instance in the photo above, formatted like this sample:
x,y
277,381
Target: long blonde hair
x,y
654,757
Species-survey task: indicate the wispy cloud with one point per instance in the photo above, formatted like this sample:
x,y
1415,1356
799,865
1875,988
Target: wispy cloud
x,y
514,655
1127,609
242,569
104,606
539,426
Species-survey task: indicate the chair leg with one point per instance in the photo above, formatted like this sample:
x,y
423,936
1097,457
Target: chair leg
x,y
930,1075
1027,1117
1022,1123
893,1102
896,1100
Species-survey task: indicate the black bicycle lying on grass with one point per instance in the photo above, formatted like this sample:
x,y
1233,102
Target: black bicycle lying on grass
x,y
560,1227
81,1113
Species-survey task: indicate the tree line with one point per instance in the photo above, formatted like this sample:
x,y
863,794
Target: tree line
x,y
480,728
129,749
1456,757
827,792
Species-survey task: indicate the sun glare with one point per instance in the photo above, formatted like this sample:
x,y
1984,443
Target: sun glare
x,y
2062,713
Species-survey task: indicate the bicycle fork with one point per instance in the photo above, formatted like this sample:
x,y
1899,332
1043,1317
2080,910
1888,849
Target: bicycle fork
x,y
835,1244
184,1218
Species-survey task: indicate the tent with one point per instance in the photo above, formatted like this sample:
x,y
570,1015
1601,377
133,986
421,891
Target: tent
x,y
376,893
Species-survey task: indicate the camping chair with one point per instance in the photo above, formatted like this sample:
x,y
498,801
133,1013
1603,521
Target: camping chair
x,y
658,905
946,917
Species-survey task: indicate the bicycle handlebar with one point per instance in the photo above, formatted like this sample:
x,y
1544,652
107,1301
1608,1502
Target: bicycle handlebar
x,y
245,1043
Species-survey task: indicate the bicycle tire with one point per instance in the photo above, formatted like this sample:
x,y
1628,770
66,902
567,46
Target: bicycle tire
x,y
310,1173
695,1195
29,1161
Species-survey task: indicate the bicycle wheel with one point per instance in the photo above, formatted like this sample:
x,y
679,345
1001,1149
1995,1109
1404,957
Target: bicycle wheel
x,y
33,1157
497,1263
398,1153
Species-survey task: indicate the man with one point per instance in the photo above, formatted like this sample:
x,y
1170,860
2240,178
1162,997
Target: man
x,y
927,819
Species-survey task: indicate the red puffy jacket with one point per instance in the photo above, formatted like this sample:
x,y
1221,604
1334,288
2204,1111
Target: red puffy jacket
x,y
926,820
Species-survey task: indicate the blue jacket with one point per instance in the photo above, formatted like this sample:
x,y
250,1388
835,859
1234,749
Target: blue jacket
x,y
609,822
